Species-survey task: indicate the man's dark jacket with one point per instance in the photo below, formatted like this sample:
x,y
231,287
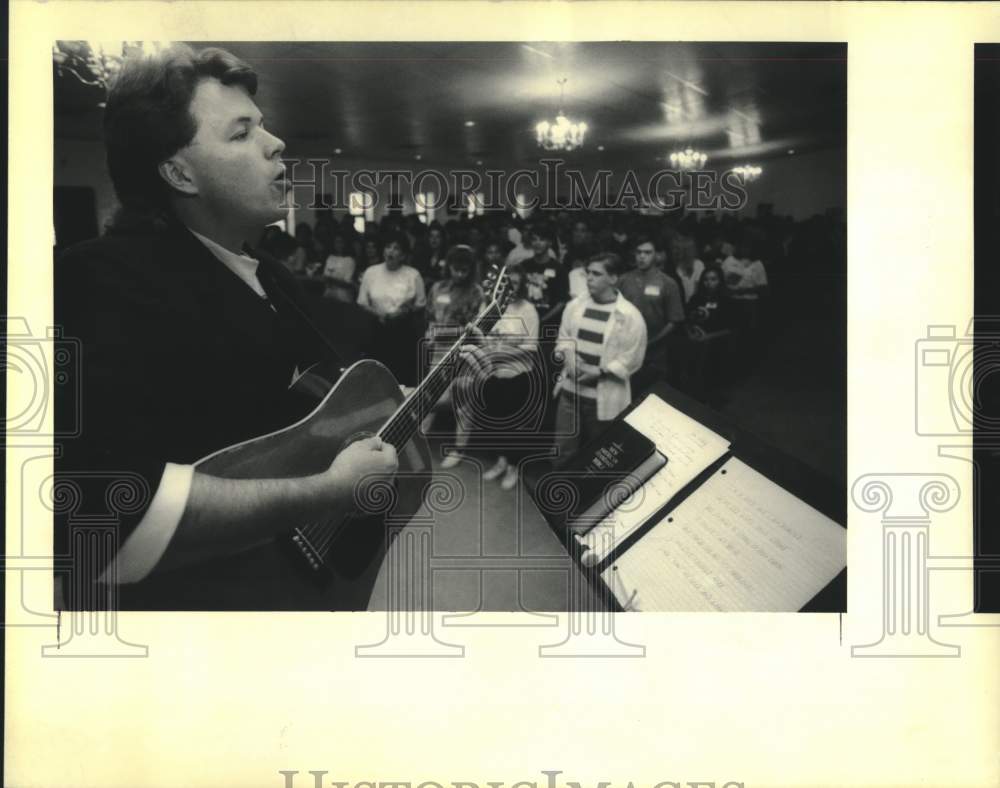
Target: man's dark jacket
x,y
178,359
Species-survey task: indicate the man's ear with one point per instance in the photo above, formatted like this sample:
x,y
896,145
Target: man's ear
x,y
177,175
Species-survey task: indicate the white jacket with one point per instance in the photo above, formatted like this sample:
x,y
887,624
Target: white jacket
x,y
622,353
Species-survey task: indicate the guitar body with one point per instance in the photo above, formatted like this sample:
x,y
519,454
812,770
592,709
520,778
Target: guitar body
x,y
333,564
275,575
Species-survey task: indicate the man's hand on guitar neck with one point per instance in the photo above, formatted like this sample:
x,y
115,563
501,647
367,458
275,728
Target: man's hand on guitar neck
x,y
475,359
475,362
366,457
227,515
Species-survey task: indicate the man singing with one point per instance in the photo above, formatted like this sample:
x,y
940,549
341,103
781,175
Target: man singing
x,y
189,340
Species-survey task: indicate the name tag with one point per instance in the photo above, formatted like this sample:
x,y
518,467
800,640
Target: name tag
x,y
651,290
550,273
444,298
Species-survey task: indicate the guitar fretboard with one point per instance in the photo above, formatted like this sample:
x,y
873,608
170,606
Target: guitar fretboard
x,y
313,540
404,423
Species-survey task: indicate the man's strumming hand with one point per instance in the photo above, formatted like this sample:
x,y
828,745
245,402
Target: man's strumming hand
x,y
367,457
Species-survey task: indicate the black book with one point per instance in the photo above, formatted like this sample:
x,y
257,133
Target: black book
x,y
605,472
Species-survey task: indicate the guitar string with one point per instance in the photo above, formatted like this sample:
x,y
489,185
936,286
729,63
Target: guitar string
x,y
321,535
400,429
433,387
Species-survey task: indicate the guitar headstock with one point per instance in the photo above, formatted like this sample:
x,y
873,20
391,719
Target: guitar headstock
x,y
496,286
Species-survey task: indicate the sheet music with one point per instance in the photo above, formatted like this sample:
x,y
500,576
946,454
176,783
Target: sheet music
x,y
689,446
740,543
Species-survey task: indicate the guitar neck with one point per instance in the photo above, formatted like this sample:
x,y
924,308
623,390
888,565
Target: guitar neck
x,y
405,421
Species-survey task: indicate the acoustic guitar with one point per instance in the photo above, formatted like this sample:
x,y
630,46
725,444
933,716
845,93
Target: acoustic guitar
x,y
333,564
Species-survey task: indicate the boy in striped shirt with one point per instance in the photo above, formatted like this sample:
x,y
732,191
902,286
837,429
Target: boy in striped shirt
x,y
602,340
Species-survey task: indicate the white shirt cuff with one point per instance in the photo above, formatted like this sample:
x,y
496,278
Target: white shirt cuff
x,y
618,369
145,546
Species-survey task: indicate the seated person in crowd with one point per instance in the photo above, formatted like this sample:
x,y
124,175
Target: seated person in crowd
x,y
602,340
339,271
548,281
659,301
394,293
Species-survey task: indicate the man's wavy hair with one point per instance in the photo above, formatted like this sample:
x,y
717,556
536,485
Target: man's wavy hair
x,y
147,119
612,262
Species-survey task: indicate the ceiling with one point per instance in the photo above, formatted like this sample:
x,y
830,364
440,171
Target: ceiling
x,y
392,102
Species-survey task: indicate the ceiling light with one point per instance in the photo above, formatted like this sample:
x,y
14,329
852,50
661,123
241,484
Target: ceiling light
x,y
479,162
688,159
469,124
337,151
418,157
600,147
748,172
791,151
563,134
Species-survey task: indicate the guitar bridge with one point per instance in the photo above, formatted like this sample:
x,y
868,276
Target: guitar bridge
x,y
308,550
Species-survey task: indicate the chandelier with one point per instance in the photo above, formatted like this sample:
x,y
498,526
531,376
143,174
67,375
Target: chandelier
x,y
94,63
563,134
748,172
688,159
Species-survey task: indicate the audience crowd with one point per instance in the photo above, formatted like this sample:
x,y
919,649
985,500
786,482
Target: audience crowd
x,y
604,306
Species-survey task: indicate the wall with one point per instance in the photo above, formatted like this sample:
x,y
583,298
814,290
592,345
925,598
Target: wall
x,y
802,185
799,185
